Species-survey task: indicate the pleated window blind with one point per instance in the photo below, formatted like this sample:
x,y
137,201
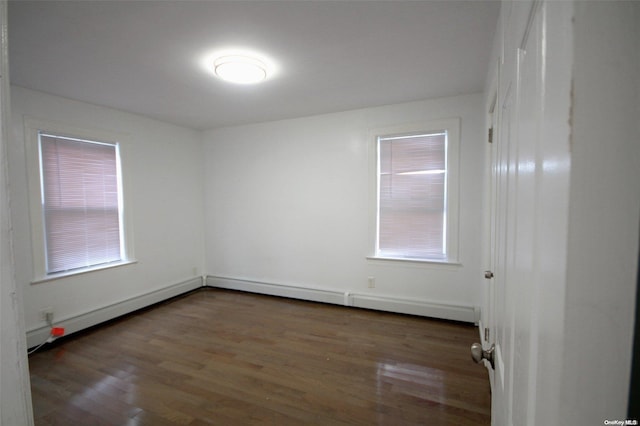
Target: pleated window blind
x,y
80,200
412,189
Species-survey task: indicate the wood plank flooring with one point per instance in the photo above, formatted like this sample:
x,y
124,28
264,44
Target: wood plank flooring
x,y
219,357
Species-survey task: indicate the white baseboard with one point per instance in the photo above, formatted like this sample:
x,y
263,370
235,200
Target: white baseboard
x,y
304,293
382,303
423,308
88,319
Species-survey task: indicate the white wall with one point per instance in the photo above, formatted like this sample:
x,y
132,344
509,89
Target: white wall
x,y
163,169
289,202
602,264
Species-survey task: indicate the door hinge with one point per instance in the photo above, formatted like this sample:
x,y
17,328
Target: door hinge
x,y
486,334
490,135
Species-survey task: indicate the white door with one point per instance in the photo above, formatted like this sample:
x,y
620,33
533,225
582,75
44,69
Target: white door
x,y
501,334
487,319
514,165
523,206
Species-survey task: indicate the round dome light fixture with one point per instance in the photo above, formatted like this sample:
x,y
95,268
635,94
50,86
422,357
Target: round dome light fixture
x,y
240,69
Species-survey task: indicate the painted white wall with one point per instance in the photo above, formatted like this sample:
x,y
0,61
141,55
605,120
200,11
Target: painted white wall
x,y
163,169
289,202
604,210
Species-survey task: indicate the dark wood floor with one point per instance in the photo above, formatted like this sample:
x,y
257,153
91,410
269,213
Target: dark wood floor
x,y
232,358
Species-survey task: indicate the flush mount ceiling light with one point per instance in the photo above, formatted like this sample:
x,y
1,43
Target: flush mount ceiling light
x,y
240,69
239,65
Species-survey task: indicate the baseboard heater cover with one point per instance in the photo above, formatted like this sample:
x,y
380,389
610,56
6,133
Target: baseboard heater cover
x,y
75,323
424,308
293,292
416,307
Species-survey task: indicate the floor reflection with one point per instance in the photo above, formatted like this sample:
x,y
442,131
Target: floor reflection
x,y
412,379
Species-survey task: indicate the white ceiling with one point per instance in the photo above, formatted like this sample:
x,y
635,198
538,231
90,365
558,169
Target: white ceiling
x,y
145,56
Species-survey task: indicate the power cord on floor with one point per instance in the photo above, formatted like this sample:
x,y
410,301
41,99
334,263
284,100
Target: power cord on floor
x,y
50,339
53,334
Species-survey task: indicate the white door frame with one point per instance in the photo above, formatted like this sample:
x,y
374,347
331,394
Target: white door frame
x,y
15,390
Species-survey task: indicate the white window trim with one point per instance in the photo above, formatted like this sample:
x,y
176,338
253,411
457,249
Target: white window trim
x,y
32,128
452,127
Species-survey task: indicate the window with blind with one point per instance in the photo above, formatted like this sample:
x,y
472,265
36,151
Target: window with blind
x,y
81,203
415,210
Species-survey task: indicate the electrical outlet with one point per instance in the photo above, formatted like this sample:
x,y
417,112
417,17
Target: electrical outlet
x,y
372,282
46,314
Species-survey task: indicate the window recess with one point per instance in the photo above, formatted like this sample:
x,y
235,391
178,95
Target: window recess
x,y
416,194
77,202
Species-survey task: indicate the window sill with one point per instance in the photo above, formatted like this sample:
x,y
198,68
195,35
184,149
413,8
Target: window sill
x,y
66,274
416,261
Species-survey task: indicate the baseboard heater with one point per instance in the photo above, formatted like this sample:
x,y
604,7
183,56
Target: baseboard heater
x,y
93,317
84,320
424,308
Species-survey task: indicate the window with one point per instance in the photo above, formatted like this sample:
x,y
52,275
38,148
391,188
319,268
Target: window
x,y
80,202
77,204
416,211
